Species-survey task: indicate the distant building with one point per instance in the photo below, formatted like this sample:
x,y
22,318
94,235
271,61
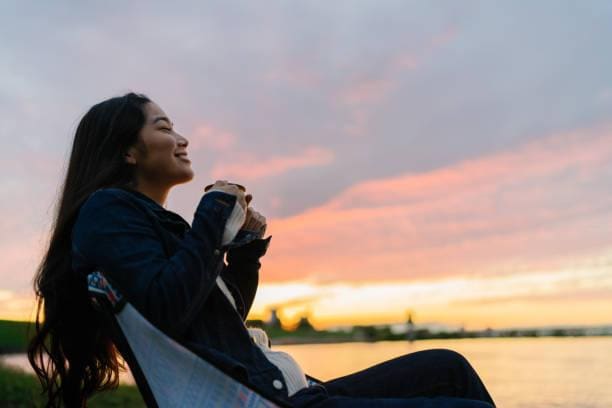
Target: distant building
x,y
304,324
410,334
274,320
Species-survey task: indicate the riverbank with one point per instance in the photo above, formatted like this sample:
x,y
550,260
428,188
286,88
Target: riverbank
x,y
14,334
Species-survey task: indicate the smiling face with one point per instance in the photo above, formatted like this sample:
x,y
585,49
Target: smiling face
x,y
160,156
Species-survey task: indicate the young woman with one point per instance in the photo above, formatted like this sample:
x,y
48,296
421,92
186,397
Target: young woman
x,y
125,158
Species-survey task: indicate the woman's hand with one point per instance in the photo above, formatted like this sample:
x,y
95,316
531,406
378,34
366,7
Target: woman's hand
x,y
255,221
233,189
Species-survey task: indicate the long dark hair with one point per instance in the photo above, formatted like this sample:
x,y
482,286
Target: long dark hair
x,y
70,352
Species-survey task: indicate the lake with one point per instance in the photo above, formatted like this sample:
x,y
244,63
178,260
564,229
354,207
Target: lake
x,y
542,372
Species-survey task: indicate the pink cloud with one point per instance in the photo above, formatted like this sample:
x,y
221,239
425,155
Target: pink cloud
x,y
365,91
406,61
361,94
250,167
208,137
358,123
540,204
295,73
20,258
444,37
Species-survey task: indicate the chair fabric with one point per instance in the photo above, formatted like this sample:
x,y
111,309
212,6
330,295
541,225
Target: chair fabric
x,y
167,373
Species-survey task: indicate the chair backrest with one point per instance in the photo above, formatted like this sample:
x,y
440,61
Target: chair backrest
x,y
166,373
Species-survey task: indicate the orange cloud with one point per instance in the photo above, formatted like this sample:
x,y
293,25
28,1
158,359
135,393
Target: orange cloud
x,y
17,306
252,168
20,258
541,204
453,300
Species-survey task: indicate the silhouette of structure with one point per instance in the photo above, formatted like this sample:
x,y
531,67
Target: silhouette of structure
x,y
410,333
274,320
304,324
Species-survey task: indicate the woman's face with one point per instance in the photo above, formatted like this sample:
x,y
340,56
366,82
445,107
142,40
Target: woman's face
x,y
160,155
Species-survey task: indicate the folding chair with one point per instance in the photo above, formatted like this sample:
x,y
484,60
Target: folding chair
x,y
168,374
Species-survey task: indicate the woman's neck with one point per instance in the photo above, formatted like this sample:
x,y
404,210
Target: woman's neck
x,y
154,192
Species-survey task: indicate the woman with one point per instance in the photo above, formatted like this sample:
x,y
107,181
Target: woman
x,y
125,158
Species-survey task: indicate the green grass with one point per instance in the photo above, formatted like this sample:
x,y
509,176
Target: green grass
x,y
19,389
14,336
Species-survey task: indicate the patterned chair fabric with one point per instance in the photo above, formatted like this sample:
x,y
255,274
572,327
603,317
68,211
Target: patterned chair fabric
x,y
166,372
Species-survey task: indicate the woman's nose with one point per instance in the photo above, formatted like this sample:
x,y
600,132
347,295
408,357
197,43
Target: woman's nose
x,y
182,141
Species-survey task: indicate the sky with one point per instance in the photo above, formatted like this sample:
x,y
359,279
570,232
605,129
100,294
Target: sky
x,y
448,159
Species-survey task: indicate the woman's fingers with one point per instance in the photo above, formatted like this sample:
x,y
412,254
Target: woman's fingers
x,y
229,188
255,221
259,217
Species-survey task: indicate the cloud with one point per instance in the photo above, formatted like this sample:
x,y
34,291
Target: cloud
x,y
442,38
561,296
20,257
210,137
365,91
249,167
295,73
432,87
506,211
453,297
17,306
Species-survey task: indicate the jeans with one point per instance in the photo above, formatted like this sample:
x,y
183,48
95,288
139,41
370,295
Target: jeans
x,y
430,378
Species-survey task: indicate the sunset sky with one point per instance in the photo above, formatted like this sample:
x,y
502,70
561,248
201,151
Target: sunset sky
x,y
453,159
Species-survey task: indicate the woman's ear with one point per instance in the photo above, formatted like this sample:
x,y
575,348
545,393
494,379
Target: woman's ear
x,y
130,156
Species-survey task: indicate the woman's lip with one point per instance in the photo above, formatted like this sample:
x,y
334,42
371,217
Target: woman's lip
x,y
184,157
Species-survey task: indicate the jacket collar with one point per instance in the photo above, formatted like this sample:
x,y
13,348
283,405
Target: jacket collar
x,y
171,219
150,202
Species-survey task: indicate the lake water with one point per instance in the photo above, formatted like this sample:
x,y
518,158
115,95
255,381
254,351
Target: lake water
x,y
521,372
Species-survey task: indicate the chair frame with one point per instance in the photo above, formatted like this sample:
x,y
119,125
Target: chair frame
x,y
108,302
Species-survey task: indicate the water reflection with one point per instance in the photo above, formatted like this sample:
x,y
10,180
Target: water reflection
x,y
21,362
529,372
523,372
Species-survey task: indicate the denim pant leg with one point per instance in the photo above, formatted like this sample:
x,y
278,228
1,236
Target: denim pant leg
x,y
305,401
428,373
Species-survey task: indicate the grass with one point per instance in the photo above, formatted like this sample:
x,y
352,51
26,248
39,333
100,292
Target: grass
x,y
14,336
19,389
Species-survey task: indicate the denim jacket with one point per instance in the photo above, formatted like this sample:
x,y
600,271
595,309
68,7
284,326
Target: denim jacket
x,y
167,270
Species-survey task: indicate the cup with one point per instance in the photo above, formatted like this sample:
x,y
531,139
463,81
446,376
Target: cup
x,y
240,186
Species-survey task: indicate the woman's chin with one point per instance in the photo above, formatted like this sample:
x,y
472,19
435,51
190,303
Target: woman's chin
x,y
189,176
185,177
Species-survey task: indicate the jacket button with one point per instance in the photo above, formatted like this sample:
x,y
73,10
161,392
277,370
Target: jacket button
x,y
277,384
217,252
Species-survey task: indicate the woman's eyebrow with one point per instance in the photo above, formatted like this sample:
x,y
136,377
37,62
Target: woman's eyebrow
x,y
157,119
